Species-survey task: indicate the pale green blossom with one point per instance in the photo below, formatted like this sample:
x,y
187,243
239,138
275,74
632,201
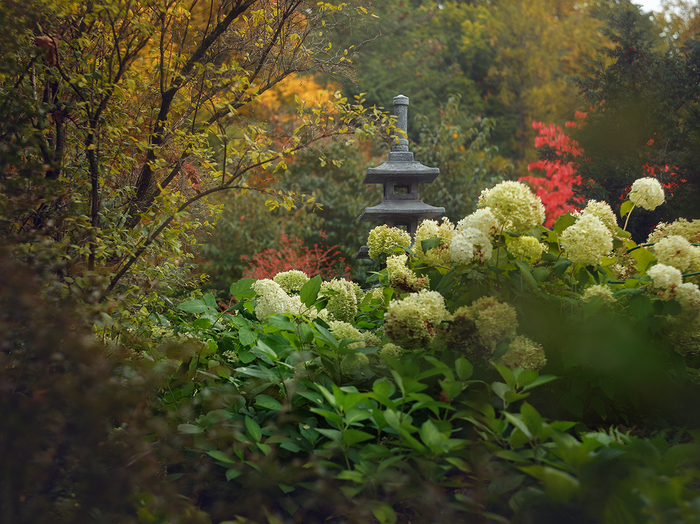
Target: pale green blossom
x,y
291,280
440,255
344,331
587,241
495,321
682,227
514,205
401,277
526,247
603,292
523,353
391,350
353,362
383,239
603,211
342,301
271,298
412,322
647,193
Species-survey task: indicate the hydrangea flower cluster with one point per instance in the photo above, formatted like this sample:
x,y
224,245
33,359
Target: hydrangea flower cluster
x,y
470,245
271,299
587,241
342,301
383,239
391,350
291,280
481,219
344,330
402,278
526,247
647,193
494,320
440,255
353,362
675,251
603,292
413,321
603,211
690,230
514,205
523,353
665,277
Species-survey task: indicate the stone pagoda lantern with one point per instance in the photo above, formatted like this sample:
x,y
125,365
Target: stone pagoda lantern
x,y
400,174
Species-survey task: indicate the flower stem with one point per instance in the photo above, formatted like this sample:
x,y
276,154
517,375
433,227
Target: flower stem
x,y
628,217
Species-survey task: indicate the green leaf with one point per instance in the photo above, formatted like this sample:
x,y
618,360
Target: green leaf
x,y
563,222
309,291
429,244
233,473
247,336
189,429
430,435
518,423
357,414
384,513
625,208
267,402
281,321
332,434
526,274
507,375
542,379
560,266
353,436
463,368
640,306
220,456
194,306
242,289
253,429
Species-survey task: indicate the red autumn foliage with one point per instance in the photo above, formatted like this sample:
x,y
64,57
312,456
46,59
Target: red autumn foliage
x,y
293,254
556,187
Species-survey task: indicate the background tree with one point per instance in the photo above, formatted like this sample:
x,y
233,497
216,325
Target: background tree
x,y
644,121
139,112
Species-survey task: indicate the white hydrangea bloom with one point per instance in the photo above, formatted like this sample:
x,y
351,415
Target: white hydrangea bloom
x,y
291,280
440,255
587,241
401,277
481,219
413,321
688,295
514,205
527,247
523,353
664,276
390,350
603,292
344,330
674,251
494,320
353,362
647,193
470,245
271,299
603,211
383,239
342,302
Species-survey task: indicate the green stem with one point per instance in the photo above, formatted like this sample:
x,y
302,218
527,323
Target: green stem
x,y
628,217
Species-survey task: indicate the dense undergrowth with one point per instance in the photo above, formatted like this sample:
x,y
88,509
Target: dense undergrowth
x,y
495,371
